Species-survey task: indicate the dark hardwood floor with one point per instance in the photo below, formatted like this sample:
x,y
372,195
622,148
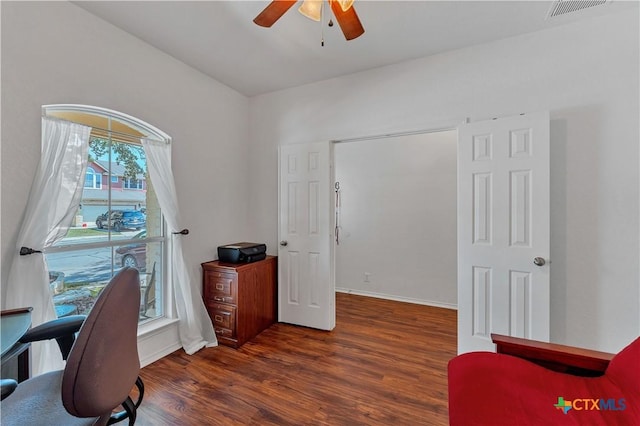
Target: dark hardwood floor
x,y
385,363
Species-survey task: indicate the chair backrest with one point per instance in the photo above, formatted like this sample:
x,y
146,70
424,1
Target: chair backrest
x,y
103,364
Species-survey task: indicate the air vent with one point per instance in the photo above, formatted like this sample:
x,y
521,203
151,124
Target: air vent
x,y
562,7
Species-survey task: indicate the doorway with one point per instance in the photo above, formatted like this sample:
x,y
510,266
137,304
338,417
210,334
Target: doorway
x,y
397,219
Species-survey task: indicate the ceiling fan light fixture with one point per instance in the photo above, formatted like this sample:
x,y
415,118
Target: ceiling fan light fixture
x,y
345,4
348,20
312,9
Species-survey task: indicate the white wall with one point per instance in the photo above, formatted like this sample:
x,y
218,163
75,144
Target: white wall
x,y
397,217
585,73
1,288
55,52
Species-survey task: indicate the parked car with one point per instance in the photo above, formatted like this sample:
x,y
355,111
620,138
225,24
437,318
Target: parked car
x,y
122,219
134,254
102,219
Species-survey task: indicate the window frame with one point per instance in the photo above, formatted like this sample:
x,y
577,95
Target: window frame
x,y
127,184
148,131
96,177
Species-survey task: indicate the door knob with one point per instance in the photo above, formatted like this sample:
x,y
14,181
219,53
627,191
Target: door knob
x,y
283,243
539,261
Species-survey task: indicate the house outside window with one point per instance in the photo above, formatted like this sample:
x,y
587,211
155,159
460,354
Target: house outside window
x,y
93,179
112,228
133,184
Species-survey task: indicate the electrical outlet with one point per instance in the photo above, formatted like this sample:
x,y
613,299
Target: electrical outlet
x,y
367,277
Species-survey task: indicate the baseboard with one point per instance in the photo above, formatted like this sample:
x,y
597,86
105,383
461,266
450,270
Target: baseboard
x,y
398,298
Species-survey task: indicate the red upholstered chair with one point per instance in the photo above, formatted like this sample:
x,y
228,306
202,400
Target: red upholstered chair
x,y
536,383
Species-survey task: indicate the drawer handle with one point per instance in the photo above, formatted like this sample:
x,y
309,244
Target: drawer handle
x,y
220,331
219,287
217,318
219,299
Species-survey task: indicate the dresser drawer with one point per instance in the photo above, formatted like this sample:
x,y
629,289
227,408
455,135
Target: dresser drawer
x,y
220,287
241,299
223,318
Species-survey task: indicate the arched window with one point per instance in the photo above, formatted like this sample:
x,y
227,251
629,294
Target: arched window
x,y
114,226
92,179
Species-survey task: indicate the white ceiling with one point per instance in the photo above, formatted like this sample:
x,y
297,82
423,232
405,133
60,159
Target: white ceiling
x,y
219,38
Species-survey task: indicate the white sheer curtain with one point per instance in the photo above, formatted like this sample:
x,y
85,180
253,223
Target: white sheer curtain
x,y
55,195
196,330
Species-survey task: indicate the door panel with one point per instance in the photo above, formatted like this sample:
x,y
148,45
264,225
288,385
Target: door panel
x,y
503,224
306,286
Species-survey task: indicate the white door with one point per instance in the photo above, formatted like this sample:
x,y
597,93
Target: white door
x,y
305,265
503,230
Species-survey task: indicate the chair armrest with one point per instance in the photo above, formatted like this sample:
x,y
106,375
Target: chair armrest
x,y
567,359
54,329
7,386
62,329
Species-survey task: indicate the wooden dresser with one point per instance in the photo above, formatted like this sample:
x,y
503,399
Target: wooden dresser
x,y
241,298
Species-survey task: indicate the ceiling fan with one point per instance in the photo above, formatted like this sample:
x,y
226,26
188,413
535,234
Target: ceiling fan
x,y
343,11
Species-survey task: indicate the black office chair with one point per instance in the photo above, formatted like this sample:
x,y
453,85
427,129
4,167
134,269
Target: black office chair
x,y
102,365
7,386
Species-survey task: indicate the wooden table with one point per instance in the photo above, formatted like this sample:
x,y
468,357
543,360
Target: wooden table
x,y
14,323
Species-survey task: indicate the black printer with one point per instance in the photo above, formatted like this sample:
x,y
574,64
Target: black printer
x,y
242,252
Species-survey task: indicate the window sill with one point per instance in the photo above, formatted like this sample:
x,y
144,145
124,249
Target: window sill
x,y
154,326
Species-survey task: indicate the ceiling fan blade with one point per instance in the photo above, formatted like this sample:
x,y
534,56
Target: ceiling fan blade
x,y
273,12
349,22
